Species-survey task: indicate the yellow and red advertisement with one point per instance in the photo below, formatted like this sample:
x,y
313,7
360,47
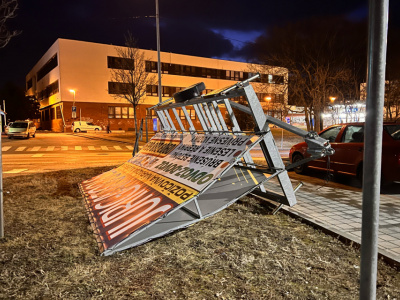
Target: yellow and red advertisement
x,y
169,170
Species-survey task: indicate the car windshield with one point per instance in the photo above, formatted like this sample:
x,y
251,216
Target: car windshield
x,y
19,125
393,130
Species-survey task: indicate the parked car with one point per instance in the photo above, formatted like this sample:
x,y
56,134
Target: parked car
x,y
7,127
348,142
78,126
24,129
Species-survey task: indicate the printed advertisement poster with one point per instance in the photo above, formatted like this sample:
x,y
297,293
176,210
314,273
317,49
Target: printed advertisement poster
x,y
135,198
191,159
169,170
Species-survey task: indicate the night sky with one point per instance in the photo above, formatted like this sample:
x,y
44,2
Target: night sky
x,y
206,28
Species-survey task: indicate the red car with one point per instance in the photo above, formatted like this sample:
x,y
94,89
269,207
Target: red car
x,y
348,142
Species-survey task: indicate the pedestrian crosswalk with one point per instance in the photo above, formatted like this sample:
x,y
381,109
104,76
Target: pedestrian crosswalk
x,y
66,148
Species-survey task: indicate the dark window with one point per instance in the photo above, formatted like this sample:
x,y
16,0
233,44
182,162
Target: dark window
x,y
53,113
152,90
118,87
50,65
165,68
49,91
111,112
183,70
277,79
29,84
118,112
58,112
120,63
151,66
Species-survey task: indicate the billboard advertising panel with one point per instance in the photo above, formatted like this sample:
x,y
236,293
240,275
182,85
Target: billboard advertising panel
x,y
169,170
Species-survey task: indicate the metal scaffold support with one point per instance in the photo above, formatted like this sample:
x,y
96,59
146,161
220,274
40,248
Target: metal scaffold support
x,y
185,174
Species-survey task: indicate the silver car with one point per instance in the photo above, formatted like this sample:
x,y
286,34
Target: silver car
x,y
25,129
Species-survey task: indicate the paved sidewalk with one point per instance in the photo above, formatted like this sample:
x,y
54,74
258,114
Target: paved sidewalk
x,y
339,211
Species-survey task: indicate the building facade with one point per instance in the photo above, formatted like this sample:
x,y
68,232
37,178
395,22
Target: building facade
x,y
78,74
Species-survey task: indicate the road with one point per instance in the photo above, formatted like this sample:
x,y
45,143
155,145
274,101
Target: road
x,y
56,151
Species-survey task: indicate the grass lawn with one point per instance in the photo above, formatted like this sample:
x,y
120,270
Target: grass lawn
x,y
243,252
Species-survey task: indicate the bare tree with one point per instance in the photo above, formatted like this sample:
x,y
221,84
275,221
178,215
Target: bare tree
x,y
317,62
129,76
392,100
8,10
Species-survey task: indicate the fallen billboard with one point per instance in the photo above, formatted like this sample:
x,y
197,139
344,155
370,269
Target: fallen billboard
x,y
184,175
171,169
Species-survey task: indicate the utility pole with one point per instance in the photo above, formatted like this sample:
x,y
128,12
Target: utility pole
x,y
1,183
377,38
158,54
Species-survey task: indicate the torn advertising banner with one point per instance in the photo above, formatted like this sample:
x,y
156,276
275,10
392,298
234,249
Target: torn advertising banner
x,y
170,170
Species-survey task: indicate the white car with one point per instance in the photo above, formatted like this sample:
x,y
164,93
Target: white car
x,y
78,126
24,129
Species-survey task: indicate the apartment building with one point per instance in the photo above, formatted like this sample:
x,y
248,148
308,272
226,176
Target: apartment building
x,y
72,81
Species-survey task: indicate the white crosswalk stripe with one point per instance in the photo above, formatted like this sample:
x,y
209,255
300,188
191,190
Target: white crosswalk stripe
x,y
66,148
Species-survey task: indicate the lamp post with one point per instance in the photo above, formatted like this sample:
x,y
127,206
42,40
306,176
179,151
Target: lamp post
x,y
332,99
268,99
73,92
73,105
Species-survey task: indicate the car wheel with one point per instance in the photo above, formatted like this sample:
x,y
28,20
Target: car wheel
x,y
27,136
96,129
299,169
77,130
34,135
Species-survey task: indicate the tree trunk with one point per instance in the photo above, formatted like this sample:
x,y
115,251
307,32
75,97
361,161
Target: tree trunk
x,y
134,117
307,118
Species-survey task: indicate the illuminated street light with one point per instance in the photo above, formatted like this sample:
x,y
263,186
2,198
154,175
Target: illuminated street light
x,y
73,91
73,115
332,99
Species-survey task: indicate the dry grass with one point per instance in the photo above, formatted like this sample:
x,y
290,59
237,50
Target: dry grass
x,y
241,253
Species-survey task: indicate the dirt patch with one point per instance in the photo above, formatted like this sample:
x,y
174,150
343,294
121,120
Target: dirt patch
x,y
242,252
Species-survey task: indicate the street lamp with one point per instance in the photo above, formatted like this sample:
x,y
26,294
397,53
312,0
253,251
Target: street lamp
x,y
332,99
73,105
268,99
73,91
